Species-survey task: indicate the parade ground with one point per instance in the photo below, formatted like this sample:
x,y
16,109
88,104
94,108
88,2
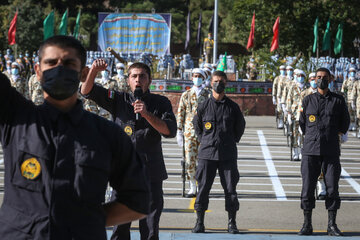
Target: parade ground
x,y
268,191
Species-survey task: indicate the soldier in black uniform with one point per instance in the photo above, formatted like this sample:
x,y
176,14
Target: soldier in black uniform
x,y
219,125
324,117
156,119
59,158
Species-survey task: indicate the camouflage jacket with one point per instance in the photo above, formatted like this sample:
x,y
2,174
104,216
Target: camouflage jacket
x,y
21,86
347,87
122,84
280,87
276,83
355,94
294,101
287,86
35,90
187,110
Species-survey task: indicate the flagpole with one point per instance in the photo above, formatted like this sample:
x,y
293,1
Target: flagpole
x,y
215,31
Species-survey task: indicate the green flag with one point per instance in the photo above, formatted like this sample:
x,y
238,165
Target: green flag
x,y
315,34
222,66
77,26
327,37
63,24
49,26
338,39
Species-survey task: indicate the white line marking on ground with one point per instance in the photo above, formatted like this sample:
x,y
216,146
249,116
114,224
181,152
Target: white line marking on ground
x,y
279,190
350,180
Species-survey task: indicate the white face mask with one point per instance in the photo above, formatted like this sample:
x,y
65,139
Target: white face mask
x,y
197,81
120,72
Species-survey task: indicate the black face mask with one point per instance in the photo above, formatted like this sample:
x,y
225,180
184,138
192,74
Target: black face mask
x,y
219,87
323,83
60,82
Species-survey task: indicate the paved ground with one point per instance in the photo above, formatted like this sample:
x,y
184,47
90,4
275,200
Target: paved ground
x,y
269,191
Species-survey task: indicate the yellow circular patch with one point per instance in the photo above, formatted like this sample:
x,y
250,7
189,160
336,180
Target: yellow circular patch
x,y
30,168
128,130
207,125
312,118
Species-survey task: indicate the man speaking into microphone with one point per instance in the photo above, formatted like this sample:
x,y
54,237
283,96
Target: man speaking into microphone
x,y
144,117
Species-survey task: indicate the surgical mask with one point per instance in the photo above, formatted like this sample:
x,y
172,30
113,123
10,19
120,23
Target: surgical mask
x,y
289,73
323,83
60,82
120,72
313,84
282,73
300,79
197,81
14,71
352,74
105,74
218,87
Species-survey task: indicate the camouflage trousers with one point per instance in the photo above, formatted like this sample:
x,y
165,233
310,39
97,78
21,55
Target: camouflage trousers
x,y
352,112
297,138
279,111
191,146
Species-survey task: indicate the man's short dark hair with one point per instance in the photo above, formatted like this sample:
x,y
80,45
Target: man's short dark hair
x,y
219,74
64,42
322,69
142,66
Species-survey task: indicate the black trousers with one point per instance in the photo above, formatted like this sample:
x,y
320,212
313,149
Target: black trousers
x,y
149,226
310,170
229,177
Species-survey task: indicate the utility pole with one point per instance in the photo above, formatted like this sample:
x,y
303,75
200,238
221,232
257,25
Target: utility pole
x,y
215,31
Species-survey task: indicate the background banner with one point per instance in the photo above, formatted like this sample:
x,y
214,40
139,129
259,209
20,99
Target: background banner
x,y
135,33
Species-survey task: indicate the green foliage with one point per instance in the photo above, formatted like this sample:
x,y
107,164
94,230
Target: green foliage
x,y
297,18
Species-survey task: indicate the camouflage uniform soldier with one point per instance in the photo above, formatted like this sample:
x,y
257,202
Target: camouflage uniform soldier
x,y
208,48
17,81
346,89
313,87
293,103
355,100
7,70
123,86
277,81
187,109
286,87
35,90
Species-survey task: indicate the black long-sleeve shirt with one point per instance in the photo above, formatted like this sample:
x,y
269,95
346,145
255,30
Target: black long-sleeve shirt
x,y
219,125
57,166
145,138
321,120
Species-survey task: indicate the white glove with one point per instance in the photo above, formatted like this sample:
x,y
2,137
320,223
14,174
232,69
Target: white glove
x,y
289,119
274,100
300,131
344,137
180,138
353,106
284,108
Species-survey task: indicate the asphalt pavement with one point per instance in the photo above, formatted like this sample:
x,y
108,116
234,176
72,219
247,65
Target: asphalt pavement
x,y
268,191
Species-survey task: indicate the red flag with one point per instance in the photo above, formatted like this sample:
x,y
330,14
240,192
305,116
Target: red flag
x,y
12,30
250,43
275,40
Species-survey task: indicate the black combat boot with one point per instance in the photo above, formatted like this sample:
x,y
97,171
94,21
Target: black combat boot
x,y
232,228
307,228
332,229
199,227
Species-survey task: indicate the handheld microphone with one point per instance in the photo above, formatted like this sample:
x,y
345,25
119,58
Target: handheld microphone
x,y
138,94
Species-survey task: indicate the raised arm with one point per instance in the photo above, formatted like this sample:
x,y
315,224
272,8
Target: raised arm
x,y
97,66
